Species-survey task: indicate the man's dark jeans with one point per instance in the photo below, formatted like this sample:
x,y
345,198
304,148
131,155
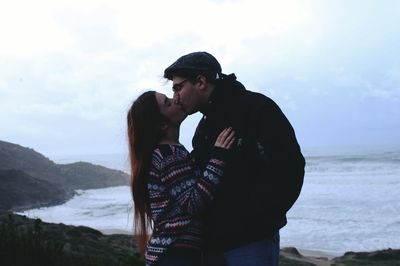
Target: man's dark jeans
x,y
260,253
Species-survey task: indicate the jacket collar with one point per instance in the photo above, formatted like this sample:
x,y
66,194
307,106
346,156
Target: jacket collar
x,y
226,89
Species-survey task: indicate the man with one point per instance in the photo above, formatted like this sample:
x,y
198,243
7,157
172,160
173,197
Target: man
x,y
265,173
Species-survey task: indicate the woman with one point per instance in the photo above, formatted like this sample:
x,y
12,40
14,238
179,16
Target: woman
x,y
169,191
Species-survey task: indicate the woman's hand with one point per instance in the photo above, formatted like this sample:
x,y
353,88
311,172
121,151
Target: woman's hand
x,y
226,138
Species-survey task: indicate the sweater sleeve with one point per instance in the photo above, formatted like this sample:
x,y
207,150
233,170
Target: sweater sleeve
x,y
191,188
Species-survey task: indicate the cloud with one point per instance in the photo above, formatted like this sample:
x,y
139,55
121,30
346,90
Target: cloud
x,y
389,86
70,69
28,28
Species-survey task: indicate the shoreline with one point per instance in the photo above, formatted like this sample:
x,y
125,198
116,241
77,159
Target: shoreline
x,y
317,253
115,231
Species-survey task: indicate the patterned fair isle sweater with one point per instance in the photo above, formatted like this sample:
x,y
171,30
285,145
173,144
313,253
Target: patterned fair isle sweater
x,y
179,191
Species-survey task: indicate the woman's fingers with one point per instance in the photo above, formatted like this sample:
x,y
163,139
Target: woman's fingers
x,y
230,143
229,140
221,135
229,137
225,138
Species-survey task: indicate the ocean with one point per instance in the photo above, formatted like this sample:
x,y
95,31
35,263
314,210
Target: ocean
x,y
350,201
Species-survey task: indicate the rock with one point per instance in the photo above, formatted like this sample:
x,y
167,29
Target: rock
x,y
381,257
292,251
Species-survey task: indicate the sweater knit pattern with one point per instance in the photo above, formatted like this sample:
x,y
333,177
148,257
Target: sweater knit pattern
x,y
178,192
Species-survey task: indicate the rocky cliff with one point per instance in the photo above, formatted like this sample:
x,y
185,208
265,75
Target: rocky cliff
x,y
28,179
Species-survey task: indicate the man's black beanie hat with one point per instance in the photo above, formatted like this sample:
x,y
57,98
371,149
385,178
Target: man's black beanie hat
x,y
197,62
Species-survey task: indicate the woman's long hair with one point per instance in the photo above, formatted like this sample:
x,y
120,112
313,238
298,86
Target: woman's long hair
x,y
144,133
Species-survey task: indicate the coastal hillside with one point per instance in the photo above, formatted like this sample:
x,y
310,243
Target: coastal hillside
x,y
19,191
27,241
59,244
28,179
83,175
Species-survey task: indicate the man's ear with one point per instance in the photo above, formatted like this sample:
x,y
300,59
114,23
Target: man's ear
x,y
201,81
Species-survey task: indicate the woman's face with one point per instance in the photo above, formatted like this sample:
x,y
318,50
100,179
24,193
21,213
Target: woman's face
x,y
173,112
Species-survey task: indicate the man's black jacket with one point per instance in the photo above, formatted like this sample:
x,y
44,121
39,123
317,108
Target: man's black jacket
x,y
265,171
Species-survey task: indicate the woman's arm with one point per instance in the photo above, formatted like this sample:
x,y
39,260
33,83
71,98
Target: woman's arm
x,y
191,188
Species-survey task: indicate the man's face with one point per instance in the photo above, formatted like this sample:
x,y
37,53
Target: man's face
x,y
186,94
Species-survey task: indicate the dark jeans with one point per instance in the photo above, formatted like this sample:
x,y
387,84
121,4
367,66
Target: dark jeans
x,y
168,261
184,257
260,253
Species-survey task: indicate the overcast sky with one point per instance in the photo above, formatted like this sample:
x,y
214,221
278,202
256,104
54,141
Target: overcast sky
x,y
69,70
